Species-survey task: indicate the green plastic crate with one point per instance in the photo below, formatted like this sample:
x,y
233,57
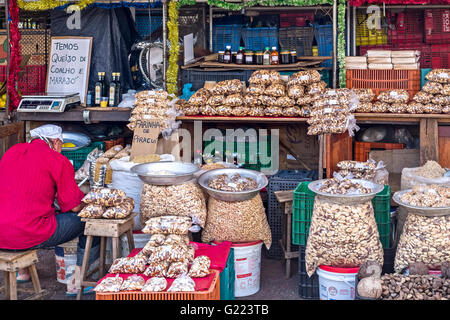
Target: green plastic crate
x,y
423,74
303,205
77,157
227,278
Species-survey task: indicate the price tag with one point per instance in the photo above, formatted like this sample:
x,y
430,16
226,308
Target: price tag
x,y
265,77
304,78
394,94
328,110
333,102
443,75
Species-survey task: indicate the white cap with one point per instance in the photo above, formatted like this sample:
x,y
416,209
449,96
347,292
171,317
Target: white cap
x,y
49,131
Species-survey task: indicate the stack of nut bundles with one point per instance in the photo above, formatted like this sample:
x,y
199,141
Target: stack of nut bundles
x,y
305,87
366,99
394,101
155,105
186,199
425,239
343,231
435,94
101,171
331,112
106,203
367,170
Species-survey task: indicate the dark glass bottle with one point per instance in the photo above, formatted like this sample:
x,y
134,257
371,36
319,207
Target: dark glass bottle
x,y
227,57
113,97
100,88
240,56
118,92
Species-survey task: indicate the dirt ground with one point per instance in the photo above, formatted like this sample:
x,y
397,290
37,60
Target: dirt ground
x,y
273,283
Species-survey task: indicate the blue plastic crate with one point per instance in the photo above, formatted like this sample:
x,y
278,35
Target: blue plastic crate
x,y
259,38
226,35
324,38
423,74
143,24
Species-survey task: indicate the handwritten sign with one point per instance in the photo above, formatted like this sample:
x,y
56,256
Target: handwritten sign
x,y
145,138
68,68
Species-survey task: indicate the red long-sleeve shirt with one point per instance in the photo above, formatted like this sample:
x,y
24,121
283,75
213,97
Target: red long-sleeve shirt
x,y
31,174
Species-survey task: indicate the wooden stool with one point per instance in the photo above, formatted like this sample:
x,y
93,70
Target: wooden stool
x,y
286,198
104,228
10,263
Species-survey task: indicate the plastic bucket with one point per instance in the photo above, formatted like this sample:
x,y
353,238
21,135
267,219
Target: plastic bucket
x,y
337,283
247,266
65,265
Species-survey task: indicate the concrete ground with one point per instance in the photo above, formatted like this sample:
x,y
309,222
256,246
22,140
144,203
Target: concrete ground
x,y
273,284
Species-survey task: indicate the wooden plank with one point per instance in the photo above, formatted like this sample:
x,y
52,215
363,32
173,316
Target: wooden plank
x,y
339,147
429,143
444,154
284,195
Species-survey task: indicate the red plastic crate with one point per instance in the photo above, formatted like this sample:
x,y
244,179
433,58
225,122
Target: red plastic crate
x,y
362,149
295,19
383,80
408,26
32,81
437,26
440,56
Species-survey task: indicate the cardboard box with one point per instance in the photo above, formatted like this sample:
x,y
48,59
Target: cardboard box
x,y
396,160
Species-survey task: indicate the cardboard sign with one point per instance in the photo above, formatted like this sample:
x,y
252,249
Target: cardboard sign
x,y
68,68
145,138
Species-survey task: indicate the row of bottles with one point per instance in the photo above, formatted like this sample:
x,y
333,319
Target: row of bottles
x,y
106,95
266,57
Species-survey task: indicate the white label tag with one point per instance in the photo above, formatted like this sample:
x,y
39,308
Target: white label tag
x,y
443,75
328,110
265,77
305,77
331,93
394,94
333,102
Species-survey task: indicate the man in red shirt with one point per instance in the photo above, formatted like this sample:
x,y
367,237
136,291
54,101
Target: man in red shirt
x,y
32,176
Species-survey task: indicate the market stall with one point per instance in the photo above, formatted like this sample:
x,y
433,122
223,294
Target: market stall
x,y
337,131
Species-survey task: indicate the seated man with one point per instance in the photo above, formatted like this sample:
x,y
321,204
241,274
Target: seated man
x,y
32,175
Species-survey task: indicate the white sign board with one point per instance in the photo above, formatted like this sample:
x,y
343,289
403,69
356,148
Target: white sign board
x,y
68,68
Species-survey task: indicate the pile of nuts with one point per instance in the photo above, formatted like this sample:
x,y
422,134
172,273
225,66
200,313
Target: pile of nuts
x,y
185,199
343,186
342,235
431,196
424,239
235,183
238,221
106,203
414,287
358,169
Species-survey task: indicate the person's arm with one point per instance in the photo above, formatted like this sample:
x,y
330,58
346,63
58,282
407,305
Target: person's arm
x,y
69,195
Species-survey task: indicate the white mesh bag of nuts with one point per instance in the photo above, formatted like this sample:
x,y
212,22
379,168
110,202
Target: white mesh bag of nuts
x,y
342,234
240,221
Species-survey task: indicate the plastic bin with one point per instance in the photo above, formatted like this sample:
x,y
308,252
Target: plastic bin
x,y
324,38
362,149
408,26
437,26
198,78
78,157
259,38
308,287
283,180
300,38
440,54
213,293
227,277
226,35
364,36
303,205
423,74
383,80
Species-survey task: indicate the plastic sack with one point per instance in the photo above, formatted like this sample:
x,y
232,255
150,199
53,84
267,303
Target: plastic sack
x,y
157,269
92,211
121,211
176,269
109,284
155,284
424,239
185,199
133,283
128,265
420,175
128,101
183,283
168,225
200,267
107,197
240,221
342,235
170,253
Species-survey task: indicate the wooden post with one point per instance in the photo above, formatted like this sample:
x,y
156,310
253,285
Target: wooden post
x,y
429,140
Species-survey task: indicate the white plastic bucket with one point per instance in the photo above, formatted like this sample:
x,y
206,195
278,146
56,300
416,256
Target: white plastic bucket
x,y
247,268
65,267
337,283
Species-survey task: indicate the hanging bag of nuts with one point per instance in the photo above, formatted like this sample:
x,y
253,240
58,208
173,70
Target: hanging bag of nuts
x,y
240,221
343,231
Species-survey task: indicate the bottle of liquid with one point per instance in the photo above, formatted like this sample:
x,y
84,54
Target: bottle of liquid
x,y
266,56
315,49
112,91
118,92
240,56
99,88
274,58
227,55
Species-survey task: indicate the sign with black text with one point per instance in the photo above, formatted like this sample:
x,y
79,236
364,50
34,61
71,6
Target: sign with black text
x,y
145,138
68,68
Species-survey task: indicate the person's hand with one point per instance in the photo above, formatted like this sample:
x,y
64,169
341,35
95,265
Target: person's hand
x,y
78,208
